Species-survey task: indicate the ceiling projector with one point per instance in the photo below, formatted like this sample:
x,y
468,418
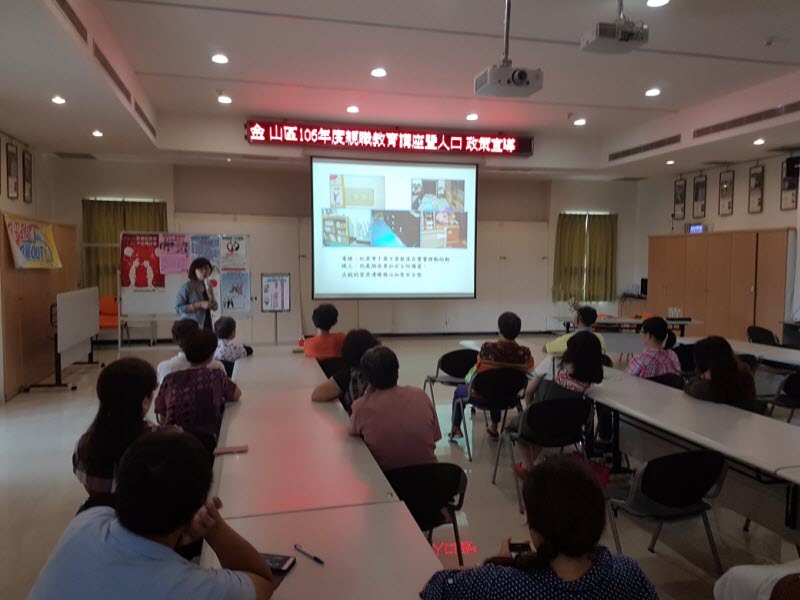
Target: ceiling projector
x,y
617,37
506,81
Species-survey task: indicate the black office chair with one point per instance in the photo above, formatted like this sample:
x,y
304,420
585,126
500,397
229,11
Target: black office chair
x,y
433,494
685,353
671,489
750,360
787,396
451,369
496,389
228,364
331,366
671,379
557,421
761,335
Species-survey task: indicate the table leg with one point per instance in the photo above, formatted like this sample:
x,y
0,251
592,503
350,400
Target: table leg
x,y
616,455
790,517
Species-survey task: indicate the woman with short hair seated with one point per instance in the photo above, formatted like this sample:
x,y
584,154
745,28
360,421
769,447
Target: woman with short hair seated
x,y
566,515
349,383
721,377
325,344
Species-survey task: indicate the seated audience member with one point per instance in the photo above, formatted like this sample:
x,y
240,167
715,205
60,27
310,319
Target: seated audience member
x,y
195,398
398,423
721,377
325,344
181,330
349,383
227,349
566,514
578,368
585,317
760,582
162,486
502,354
657,358
125,390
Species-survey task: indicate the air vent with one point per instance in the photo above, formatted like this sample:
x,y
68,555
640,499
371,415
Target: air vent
x,y
76,155
764,115
74,19
786,149
675,139
718,163
144,118
630,179
101,58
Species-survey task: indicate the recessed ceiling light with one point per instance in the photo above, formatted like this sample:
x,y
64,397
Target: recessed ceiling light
x,y
759,142
223,99
352,109
653,92
58,100
378,72
220,59
229,160
670,162
97,133
657,3
472,117
580,122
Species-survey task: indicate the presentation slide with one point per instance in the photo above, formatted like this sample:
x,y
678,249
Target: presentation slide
x,y
393,230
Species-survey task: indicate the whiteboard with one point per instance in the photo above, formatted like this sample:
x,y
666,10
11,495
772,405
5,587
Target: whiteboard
x,y
78,314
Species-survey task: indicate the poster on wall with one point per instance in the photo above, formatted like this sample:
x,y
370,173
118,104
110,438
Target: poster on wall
x,y
755,198
206,246
173,253
234,293
726,193
699,199
789,185
276,292
32,244
139,264
12,171
27,177
234,252
679,200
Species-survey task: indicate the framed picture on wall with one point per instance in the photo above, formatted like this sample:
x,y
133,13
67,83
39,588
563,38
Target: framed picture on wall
x,y
27,177
679,200
12,171
726,193
699,199
789,177
755,197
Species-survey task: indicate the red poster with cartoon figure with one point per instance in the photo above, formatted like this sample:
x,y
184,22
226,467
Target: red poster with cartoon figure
x,y
139,265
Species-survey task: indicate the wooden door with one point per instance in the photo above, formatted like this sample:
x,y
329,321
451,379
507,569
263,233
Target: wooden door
x,y
695,276
718,285
771,279
523,273
674,267
656,286
743,283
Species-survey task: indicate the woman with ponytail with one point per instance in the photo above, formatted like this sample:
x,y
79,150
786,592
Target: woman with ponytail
x,y
566,517
658,357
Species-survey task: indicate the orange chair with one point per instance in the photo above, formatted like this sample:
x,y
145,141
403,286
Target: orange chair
x,y
109,315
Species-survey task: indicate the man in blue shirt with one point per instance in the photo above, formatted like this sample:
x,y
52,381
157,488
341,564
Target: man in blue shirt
x,y
162,485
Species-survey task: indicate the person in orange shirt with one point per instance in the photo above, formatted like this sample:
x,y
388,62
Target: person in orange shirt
x,y
325,344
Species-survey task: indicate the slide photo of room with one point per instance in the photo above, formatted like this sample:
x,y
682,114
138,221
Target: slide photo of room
x,y
358,191
444,229
346,227
395,229
437,194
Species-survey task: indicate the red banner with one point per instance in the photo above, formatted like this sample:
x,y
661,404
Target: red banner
x,y
139,263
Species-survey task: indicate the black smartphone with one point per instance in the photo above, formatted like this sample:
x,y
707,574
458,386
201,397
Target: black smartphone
x,y
517,549
278,563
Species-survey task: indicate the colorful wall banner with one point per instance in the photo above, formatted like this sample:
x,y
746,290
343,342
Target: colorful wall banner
x,y
234,252
206,246
234,293
140,268
32,244
173,253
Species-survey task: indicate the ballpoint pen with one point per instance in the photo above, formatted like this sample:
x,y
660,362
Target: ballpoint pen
x,y
316,559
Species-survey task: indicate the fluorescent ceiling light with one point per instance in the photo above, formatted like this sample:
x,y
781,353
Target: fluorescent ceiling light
x,y
657,3
670,162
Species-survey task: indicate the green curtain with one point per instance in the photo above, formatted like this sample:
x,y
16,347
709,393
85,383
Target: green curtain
x,y
145,216
102,221
601,258
568,265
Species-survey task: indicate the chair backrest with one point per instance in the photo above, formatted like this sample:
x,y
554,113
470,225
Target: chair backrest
x,y
685,353
790,386
427,489
559,420
606,360
458,362
750,360
760,335
331,366
108,305
499,388
671,379
228,364
682,479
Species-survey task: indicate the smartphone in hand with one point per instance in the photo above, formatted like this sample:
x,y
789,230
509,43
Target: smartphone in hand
x,y
518,549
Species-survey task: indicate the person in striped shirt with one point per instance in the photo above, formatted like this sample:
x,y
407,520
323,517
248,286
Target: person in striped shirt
x,y
657,358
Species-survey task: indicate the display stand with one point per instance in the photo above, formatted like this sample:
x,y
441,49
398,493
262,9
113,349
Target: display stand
x,y
276,295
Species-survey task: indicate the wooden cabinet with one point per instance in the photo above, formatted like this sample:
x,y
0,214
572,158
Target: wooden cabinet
x,y
728,280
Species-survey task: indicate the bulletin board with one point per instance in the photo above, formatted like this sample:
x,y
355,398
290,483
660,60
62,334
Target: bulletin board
x,y
276,292
154,266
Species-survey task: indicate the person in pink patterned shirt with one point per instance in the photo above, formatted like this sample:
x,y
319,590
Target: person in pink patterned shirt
x,y
657,358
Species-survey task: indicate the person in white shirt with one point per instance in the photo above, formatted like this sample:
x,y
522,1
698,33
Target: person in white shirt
x,y
754,582
180,329
227,348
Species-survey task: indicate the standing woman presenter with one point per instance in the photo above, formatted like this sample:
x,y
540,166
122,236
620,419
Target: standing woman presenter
x,y
196,299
